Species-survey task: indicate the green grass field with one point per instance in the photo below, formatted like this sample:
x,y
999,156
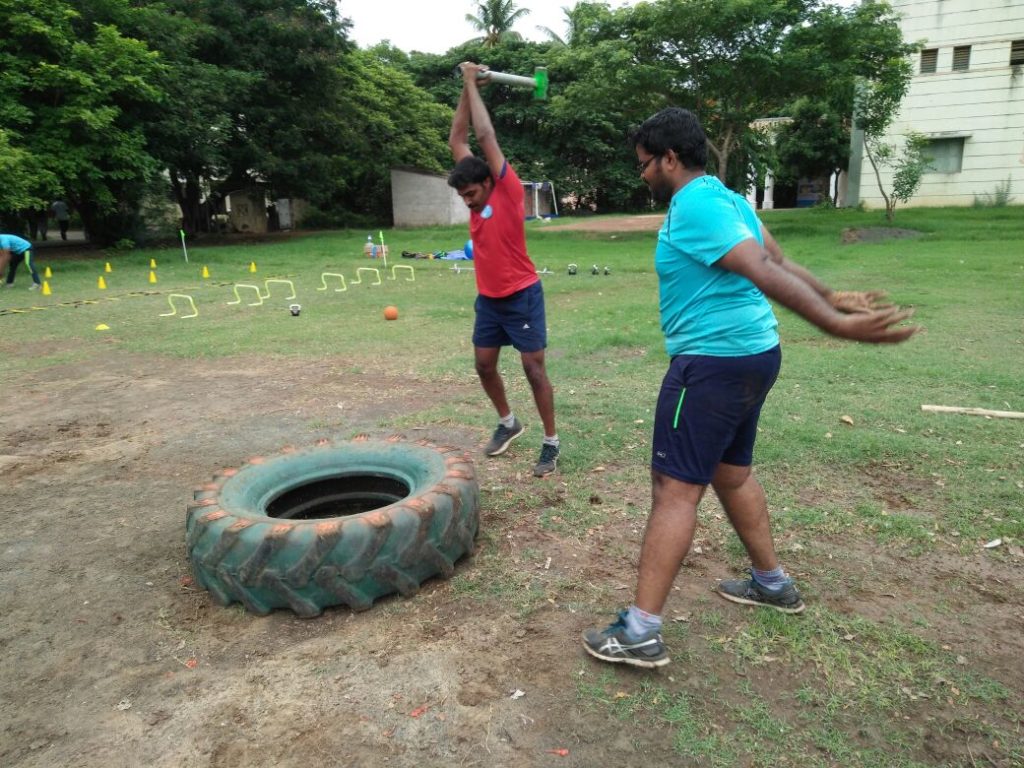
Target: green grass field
x,y
856,690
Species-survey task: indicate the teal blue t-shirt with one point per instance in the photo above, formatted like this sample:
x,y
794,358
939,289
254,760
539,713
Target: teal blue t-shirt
x,y
705,309
14,244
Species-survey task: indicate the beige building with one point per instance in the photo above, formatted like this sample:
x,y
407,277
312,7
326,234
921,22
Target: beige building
x,y
966,98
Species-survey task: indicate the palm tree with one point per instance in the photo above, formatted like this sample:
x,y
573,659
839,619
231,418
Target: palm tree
x,y
495,18
556,38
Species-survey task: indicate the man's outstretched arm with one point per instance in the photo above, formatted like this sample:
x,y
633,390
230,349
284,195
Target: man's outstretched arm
x,y
876,326
844,301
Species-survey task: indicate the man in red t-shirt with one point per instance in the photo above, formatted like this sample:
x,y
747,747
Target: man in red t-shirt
x,y
510,304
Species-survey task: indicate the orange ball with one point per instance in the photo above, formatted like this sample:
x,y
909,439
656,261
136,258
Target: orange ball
x,y
390,313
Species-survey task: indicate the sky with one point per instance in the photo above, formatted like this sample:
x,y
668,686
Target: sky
x,y
435,26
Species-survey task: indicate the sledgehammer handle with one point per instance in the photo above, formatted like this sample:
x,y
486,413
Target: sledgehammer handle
x,y
501,77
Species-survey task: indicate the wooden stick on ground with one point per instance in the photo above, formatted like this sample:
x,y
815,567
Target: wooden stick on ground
x,y
973,411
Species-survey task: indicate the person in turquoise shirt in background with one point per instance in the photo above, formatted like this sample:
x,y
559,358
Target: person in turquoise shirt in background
x,y
717,267
13,251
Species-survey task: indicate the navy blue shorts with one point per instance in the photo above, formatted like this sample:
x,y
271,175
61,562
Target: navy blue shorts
x,y
707,413
516,319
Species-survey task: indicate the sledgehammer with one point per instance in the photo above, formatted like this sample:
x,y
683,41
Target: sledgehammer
x,y
539,81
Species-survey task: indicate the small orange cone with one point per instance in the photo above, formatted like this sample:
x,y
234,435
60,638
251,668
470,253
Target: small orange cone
x,y
46,288
47,273
152,276
107,268
101,283
252,266
152,263
206,272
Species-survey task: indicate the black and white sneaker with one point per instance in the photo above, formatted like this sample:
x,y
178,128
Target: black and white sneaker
x,y
502,438
749,592
614,645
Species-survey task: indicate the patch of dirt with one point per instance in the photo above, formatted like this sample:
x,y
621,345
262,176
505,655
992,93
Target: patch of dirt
x,y
876,234
645,223
114,658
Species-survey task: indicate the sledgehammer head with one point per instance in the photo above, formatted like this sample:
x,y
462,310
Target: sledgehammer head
x,y
540,77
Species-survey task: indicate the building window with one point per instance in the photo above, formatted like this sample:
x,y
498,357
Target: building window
x,y
1016,52
961,58
929,58
947,155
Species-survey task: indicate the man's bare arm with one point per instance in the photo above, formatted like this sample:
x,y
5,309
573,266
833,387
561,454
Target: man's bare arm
x,y
483,129
757,265
844,301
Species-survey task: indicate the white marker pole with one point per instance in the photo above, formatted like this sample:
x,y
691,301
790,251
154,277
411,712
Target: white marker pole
x,y
183,248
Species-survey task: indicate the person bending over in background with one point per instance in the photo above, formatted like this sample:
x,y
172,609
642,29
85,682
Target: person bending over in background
x,y
13,251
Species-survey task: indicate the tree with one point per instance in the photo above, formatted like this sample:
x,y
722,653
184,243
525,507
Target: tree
x,y
495,19
816,143
72,89
876,106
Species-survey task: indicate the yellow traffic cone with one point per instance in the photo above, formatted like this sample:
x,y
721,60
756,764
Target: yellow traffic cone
x,y
101,283
252,266
46,288
102,327
206,272
107,268
152,276
47,273
152,263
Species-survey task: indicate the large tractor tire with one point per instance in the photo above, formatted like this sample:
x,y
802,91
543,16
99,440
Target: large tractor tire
x,y
333,525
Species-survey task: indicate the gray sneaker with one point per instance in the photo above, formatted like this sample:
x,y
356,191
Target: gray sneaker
x,y
548,459
502,438
613,645
749,592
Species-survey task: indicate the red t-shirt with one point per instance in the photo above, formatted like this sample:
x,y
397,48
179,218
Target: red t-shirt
x,y
501,264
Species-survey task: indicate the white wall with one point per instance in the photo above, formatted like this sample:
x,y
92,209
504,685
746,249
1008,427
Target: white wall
x,y
984,105
422,199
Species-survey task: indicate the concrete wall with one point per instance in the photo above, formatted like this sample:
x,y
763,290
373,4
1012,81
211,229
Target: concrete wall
x,y
982,107
247,211
421,199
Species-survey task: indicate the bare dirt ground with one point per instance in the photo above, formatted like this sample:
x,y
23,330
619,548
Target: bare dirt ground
x,y
113,658
643,223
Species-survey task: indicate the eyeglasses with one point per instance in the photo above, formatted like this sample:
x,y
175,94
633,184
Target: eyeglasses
x,y
642,165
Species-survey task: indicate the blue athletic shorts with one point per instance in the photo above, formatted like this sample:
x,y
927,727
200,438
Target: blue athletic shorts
x,y
707,413
517,319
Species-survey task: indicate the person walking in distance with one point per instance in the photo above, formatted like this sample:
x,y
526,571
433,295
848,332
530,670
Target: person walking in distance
x,y
717,266
510,301
63,216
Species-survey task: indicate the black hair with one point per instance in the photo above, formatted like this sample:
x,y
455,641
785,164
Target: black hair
x,y
469,170
676,129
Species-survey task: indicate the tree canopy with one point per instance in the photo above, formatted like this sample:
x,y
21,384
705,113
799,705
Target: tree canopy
x,y
109,103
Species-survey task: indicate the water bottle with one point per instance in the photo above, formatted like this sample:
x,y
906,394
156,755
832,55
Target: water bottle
x,y
369,251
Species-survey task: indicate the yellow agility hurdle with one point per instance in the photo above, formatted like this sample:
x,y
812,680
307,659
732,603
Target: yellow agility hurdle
x,y
323,281
238,299
269,280
359,275
412,272
174,310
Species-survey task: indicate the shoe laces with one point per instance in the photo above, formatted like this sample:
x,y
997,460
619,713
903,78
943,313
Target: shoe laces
x,y
548,453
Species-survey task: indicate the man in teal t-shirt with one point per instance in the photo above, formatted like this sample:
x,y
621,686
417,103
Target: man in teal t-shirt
x,y
717,266
13,251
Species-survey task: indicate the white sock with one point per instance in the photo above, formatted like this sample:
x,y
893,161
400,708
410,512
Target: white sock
x,y
508,421
552,440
